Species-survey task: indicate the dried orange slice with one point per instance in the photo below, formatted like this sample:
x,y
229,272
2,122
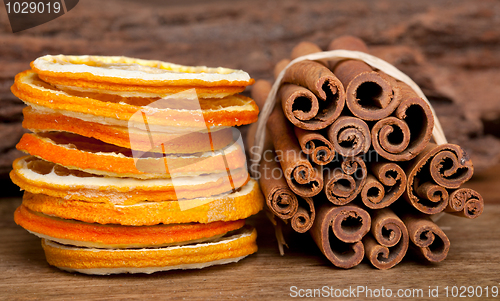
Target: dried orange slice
x,y
39,176
150,260
232,206
175,112
97,157
75,233
183,143
136,72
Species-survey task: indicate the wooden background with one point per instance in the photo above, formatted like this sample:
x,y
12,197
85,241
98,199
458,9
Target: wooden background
x,y
451,48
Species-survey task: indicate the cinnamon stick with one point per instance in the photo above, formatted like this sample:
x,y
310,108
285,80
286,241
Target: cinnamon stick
x,y
387,243
384,185
315,145
344,180
302,178
429,239
259,93
279,198
403,136
312,97
303,220
280,66
465,202
350,136
433,170
338,232
304,48
369,95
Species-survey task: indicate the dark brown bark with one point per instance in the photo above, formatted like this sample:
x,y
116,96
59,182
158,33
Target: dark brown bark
x,y
387,243
385,183
369,94
321,106
433,170
315,145
344,180
338,232
404,135
350,136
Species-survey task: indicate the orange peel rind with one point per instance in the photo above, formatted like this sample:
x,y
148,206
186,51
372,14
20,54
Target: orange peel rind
x,y
75,233
132,71
182,143
38,176
231,110
97,157
237,205
150,260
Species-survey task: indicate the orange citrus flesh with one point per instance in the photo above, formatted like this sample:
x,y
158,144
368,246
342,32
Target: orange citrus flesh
x,y
79,152
130,65
174,143
234,206
228,111
66,257
119,235
168,89
28,171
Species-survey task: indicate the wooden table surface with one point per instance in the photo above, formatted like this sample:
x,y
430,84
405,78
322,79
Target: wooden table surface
x,y
473,260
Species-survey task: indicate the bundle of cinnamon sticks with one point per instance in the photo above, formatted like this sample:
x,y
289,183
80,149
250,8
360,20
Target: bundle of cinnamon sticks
x,y
348,157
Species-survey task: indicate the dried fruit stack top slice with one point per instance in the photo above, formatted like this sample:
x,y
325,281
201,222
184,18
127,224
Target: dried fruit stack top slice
x,y
110,90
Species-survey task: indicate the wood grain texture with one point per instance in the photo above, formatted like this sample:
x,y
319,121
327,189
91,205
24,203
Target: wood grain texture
x,y
474,259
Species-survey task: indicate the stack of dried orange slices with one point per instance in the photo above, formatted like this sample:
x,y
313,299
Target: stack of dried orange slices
x,y
133,165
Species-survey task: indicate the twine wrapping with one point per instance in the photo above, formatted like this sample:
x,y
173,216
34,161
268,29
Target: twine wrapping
x,y
375,62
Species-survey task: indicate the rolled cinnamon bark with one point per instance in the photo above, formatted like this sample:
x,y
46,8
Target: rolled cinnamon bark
x,y
344,179
404,135
433,170
387,243
429,239
311,96
304,48
350,136
338,232
385,183
279,198
303,220
369,94
280,66
302,178
315,145
465,202
259,93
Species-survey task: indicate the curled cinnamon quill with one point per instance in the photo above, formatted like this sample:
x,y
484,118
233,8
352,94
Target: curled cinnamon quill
x,y
338,232
259,93
344,180
304,48
319,149
369,94
465,202
404,135
304,218
302,178
385,183
280,66
311,96
350,136
279,198
387,243
437,167
429,239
